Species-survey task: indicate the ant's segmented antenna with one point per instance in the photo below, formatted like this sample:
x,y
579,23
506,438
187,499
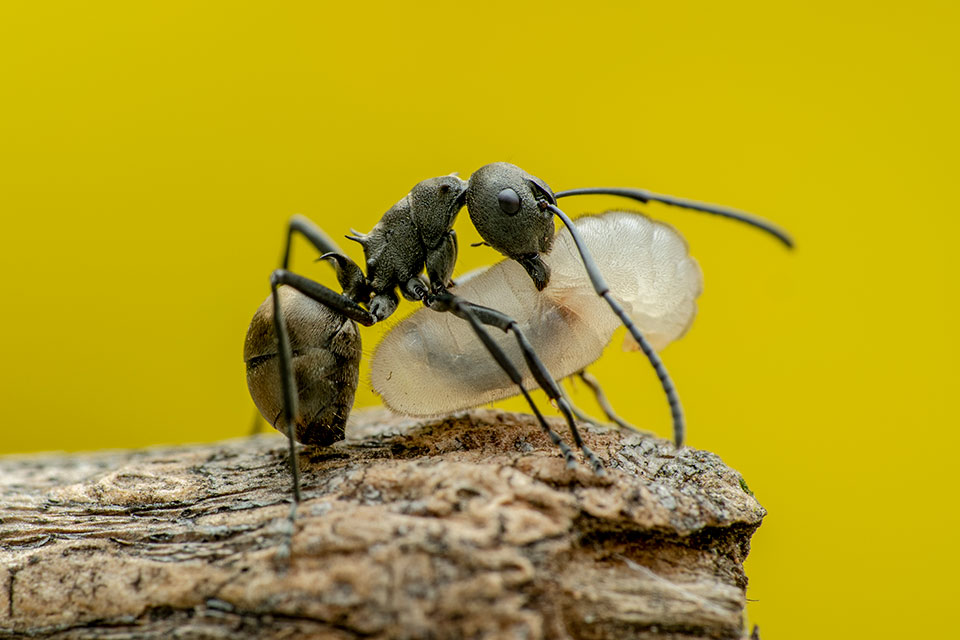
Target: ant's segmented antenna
x,y
603,290
644,196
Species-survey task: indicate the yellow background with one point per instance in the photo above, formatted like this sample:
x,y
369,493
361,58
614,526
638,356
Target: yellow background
x,y
151,152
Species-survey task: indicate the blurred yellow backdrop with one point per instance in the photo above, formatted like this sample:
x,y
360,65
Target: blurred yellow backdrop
x,y
151,152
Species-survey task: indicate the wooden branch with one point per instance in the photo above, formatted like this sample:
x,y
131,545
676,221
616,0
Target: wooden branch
x,y
466,526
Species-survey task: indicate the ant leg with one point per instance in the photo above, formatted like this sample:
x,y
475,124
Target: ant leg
x,y
603,290
288,383
491,317
594,385
581,415
546,381
323,295
322,242
461,309
349,274
306,227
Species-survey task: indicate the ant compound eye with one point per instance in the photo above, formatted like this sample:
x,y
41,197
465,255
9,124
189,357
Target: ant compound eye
x,y
509,201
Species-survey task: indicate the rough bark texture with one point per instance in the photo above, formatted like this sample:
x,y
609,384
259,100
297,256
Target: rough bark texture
x,y
463,527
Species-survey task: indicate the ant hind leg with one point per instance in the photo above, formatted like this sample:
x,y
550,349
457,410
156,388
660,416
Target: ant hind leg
x,y
313,233
322,243
333,300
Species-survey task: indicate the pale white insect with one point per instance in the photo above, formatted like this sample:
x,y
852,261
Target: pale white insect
x,y
432,363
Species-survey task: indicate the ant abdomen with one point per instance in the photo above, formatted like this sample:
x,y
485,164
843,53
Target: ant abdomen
x,y
326,365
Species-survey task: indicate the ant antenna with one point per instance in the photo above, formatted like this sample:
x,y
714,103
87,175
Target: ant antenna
x,y
603,290
644,196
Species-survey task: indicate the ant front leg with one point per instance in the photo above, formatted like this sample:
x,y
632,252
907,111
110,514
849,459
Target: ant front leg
x,y
547,382
450,303
478,315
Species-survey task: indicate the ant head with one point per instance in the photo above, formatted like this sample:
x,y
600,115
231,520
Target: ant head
x,y
508,208
434,205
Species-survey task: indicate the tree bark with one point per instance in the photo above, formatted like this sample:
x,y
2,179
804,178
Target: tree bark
x,y
468,526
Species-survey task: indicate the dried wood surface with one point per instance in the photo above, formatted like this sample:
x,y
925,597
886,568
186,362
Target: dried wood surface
x,y
469,526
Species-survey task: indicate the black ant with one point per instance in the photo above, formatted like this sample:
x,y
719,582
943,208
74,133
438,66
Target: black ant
x,y
303,346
